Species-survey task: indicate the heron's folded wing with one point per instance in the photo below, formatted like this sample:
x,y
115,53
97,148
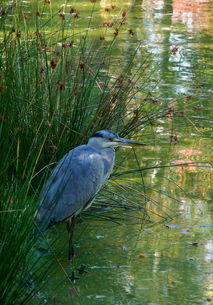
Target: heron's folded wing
x,y
73,183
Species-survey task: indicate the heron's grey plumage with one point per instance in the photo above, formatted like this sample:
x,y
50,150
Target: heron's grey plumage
x,y
78,177
73,183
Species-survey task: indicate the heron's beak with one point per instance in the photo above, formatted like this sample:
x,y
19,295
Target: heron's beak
x,y
128,143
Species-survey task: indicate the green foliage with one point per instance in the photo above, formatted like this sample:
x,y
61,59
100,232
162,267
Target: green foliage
x,y
19,263
57,88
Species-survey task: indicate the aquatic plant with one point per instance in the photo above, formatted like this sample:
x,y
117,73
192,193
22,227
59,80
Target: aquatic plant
x,y
58,85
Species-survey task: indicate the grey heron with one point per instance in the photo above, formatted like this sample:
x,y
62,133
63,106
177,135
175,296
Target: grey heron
x,y
77,178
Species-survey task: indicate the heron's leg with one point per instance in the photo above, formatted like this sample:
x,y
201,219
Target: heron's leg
x,y
70,229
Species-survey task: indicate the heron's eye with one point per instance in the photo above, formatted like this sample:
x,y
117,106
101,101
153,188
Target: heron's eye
x,y
111,139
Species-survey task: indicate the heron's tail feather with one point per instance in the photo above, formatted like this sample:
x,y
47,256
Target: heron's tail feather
x,y
43,220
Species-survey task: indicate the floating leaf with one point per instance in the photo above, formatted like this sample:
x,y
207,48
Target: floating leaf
x,y
172,226
193,243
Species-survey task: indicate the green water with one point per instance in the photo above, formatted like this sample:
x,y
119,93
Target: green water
x,y
168,258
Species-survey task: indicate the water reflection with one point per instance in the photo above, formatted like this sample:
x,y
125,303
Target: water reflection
x,y
175,48
196,15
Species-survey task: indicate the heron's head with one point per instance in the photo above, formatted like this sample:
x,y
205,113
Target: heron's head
x,y
106,138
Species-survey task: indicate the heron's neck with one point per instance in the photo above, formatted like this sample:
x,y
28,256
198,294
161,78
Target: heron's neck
x,y
108,158
107,155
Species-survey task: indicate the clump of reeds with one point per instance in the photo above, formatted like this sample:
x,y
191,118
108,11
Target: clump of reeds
x,y
57,86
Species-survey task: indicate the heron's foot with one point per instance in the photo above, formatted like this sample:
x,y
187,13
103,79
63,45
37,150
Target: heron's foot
x,y
82,269
73,277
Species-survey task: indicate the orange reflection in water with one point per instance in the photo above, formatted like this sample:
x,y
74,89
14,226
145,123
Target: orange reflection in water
x,y
185,153
185,168
196,14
